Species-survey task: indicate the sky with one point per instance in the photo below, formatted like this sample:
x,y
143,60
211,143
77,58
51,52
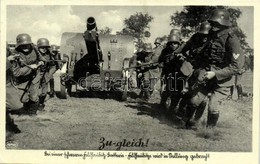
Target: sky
x,y
51,21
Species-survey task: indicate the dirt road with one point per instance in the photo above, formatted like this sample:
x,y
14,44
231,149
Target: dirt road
x,y
90,123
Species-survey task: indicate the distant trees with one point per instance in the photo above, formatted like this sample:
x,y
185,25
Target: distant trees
x,y
137,25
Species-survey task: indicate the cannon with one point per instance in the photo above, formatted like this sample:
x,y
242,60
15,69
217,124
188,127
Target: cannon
x,y
95,62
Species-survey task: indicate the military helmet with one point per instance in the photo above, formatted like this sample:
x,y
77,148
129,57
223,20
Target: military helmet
x,y
204,27
158,41
174,38
175,32
23,39
54,48
43,42
220,16
148,47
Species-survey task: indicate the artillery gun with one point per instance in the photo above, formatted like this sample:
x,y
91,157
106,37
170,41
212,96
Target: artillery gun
x,y
95,62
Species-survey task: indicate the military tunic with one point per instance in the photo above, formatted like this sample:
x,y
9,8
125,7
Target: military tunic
x,y
47,72
23,74
225,60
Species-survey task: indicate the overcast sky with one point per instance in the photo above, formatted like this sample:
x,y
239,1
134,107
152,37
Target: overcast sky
x,y
52,21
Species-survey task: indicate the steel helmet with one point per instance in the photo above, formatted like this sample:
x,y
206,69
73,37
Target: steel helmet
x,y
54,48
148,47
23,39
174,38
204,27
220,16
158,41
43,42
175,32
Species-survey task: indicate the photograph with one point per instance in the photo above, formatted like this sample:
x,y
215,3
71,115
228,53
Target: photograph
x,y
140,82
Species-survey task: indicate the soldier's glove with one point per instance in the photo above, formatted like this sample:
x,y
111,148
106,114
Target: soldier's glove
x,y
33,66
180,56
40,63
160,65
209,75
139,75
13,57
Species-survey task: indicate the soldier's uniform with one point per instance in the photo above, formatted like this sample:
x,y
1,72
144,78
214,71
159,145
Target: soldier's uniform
x,y
171,67
46,70
144,73
225,60
193,50
26,77
56,56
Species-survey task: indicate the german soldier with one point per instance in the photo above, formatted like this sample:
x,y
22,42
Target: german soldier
x,y
56,56
47,70
225,59
195,47
143,73
171,64
25,60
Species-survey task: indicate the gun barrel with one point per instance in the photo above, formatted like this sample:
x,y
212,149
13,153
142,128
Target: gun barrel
x,y
91,23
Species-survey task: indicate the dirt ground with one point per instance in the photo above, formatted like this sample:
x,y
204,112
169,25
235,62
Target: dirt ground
x,y
81,124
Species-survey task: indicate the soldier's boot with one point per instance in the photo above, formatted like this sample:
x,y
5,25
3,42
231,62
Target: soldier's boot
x,y
33,107
199,112
147,95
24,110
229,97
212,120
189,114
10,126
52,92
41,103
239,92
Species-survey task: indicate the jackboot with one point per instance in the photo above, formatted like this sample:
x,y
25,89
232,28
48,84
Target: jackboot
x,y
52,92
212,120
200,110
239,92
189,114
33,107
10,125
229,97
41,103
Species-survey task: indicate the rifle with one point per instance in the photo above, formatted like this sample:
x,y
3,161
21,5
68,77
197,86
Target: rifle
x,y
147,65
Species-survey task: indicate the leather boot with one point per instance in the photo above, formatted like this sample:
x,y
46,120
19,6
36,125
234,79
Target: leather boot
x,y
239,92
41,103
10,126
231,93
33,107
200,110
189,114
52,92
212,120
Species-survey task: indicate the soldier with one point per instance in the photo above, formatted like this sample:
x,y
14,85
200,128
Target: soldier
x,y
55,56
47,70
25,61
195,47
171,65
156,71
225,59
12,99
143,73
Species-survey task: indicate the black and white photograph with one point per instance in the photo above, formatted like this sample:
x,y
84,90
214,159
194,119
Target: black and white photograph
x,y
134,82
